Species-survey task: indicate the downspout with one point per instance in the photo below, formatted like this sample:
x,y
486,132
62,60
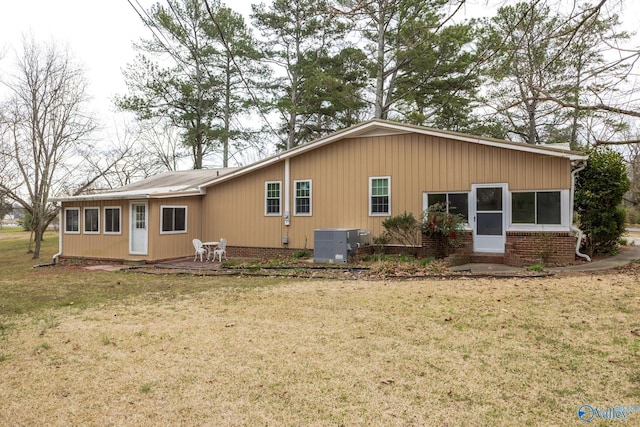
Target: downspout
x,y
287,206
287,189
60,225
573,227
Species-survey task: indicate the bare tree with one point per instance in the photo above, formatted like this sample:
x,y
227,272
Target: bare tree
x,y
161,142
42,124
136,150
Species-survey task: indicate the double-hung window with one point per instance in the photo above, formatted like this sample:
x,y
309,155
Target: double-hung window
x,y
92,220
174,219
455,203
302,197
112,220
72,220
272,198
380,196
536,207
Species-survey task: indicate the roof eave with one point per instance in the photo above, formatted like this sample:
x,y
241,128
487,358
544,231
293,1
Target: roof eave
x,y
129,196
362,128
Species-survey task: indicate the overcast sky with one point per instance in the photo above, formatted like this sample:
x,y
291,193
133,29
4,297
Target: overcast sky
x,y
100,34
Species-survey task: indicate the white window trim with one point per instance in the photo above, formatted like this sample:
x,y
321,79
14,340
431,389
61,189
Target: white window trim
x,y
84,210
104,216
266,186
565,214
295,198
186,218
79,221
425,203
371,178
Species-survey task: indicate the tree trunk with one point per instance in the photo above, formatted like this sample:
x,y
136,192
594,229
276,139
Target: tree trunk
x,y
531,110
37,218
293,116
573,142
379,106
227,116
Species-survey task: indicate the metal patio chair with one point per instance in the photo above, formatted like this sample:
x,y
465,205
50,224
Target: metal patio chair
x,y
200,250
220,250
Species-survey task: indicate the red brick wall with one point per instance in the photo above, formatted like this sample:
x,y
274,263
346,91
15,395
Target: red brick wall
x,y
522,248
260,253
432,248
533,247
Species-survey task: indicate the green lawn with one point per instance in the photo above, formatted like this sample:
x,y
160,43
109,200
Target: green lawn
x,y
80,347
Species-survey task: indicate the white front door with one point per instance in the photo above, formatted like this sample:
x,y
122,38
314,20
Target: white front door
x,y
138,236
489,217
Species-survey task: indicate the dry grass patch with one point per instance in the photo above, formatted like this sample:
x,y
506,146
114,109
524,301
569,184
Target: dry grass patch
x,y
82,347
463,352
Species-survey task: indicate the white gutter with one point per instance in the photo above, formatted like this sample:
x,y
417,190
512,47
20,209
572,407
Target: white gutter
x,y
60,225
572,196
125,195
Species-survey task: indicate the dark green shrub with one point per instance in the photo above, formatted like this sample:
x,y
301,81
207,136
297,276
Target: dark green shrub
x,y
599,191
404,229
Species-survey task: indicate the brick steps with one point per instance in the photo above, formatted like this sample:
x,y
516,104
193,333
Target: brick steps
x,y
486,258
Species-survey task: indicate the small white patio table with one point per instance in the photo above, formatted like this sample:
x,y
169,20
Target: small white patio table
x,y
209,246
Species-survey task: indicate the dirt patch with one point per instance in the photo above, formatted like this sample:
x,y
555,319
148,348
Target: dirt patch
x,y
106,267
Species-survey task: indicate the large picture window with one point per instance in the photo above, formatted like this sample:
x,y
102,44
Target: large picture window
x,y
91,220
72,220
380,196
303,197
456,203
272,203
536,207
112,220
174,219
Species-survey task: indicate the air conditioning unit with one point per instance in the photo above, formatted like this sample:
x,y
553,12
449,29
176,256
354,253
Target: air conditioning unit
x,y
335,244
365,237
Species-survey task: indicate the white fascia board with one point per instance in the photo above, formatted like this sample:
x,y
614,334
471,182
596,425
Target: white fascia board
x,y
555,152
127,195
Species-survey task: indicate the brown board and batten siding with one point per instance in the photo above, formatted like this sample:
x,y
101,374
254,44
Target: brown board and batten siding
x,y
107,246
235,210
165,246
340,172
116,246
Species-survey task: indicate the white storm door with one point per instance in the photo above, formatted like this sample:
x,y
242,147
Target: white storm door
x,y
138,236
489,217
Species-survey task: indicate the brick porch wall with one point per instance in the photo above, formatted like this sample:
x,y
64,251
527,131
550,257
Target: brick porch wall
x,y
460,255
522,248
260,253
268,253
533,247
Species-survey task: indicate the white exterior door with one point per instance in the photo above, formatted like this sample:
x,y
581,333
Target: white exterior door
x,y
138,237
489,210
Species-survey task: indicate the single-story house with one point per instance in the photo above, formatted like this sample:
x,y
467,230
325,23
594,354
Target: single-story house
x,y
516,197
